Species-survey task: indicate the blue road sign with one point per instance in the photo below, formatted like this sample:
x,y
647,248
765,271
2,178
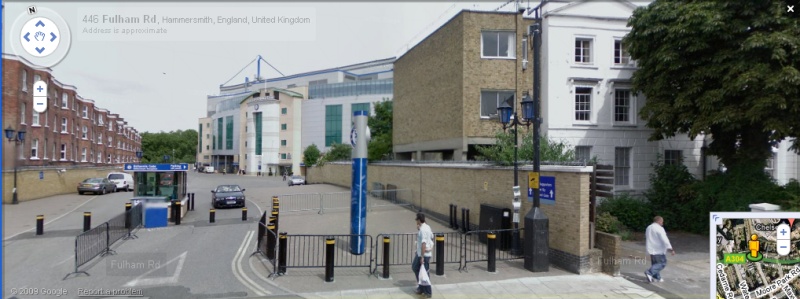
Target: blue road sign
x,y
41,175
547,190
156,167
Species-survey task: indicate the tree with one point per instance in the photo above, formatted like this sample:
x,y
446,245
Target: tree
x,y
728,68
502,151
337,152
180,145
381,129
311,155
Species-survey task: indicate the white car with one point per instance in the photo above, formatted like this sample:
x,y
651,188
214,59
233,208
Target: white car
x,y
209,169
123,181
297,180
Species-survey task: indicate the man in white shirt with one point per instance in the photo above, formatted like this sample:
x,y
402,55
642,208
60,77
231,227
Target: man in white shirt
x,y
423,253
657,245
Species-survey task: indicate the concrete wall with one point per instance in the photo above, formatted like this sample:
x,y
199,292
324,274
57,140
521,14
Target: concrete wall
x,y
435,187
30,187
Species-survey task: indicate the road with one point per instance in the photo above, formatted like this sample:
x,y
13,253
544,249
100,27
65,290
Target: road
x,y
191,260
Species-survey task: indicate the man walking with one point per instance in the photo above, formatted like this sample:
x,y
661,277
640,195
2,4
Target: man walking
x,y
423,254
657,245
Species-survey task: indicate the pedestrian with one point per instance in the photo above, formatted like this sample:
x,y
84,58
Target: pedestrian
x,y
657,244
423,254
284,176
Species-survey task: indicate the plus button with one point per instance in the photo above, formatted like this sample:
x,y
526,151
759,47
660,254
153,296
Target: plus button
x,y
39,89
783,232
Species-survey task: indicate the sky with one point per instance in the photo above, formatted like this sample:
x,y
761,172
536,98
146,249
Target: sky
x,y
160,81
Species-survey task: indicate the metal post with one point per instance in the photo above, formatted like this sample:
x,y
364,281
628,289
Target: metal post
x,y
244,214
463,218
491,242
14,196
282,246
440,254
128,207
271,241
451,215
466,221
40,225
455,217
87,221
329,247
386,255
177,213
211,213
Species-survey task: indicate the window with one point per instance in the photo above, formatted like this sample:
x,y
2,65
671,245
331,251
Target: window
x,y
283,127
583,50
44,149
23,111
622,166
54,150
24,80
100,138
36,78
291,86
74,152
673,157
85,130
46,121
621,56
55,124
63,152
583,153
283,142
83,155
35,148
55,98
283,156
99,158
497,44
108,159
318,82
284,110
490,100
583,103
333,124
229,132
35,119
85,111
622,105
219,133
64,101
770,166
359,107
259,130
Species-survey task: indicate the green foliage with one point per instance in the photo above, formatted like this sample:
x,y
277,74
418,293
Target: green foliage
x,y
311,155
607,223
180,145
632,212
337,152
380,147
724,68
502,152
671,194
792,201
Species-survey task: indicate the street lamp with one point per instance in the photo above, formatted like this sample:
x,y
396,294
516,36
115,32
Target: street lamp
x,y
505,112
18,137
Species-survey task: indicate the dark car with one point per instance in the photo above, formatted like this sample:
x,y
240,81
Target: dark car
x,y
227,196
96,186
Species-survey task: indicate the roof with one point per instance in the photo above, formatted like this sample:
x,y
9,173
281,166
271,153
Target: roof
x,y
345,69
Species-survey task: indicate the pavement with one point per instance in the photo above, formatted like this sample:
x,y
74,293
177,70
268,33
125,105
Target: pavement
x,y
233,273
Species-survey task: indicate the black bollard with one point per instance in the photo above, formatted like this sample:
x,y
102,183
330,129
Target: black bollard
x,y
440,254
87,221
282,246
191,201
128,207
211,213
463,218
177,213
455,217
329,246
271,241
244,214
39,225
491,242
466,221
386,252
451,216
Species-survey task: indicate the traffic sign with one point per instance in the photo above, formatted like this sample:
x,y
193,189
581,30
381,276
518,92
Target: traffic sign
x,y
547,190
533,180
156,167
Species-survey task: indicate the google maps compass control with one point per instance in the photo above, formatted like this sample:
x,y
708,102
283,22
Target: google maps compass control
x,y
40,37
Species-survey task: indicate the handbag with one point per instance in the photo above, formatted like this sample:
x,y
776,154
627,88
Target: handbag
x,y
424,279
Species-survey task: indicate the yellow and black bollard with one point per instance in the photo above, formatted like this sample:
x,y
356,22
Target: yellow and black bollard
x,y
87,221
282,254
440,254
386,256
329,247
39,225
491,242
244,214
128,207
211,217
271,241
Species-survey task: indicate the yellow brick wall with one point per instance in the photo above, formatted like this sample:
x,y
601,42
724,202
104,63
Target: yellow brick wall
x,y
30,187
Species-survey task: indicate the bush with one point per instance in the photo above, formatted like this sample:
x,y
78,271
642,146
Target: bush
x,y
607,223
633,213
672,196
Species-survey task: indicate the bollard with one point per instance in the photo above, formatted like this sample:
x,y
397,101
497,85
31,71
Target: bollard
x,y
463,218
177,213
466,221
39,225
282,245
128,207
440,254
275,200
455,217
451,216
276,207
87,221
386,252
329,246
211,213
491,242
275,215
271,242
191,201
244,214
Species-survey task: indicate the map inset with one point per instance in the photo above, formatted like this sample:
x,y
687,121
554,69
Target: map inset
x,y
758,258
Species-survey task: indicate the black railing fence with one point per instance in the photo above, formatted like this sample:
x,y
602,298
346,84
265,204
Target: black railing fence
x,y
307,251
475,249
403,247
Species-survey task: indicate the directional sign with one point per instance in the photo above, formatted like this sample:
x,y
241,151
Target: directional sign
x,y
156,167
533,180
547,190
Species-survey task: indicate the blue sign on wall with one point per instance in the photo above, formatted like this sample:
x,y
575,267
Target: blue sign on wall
x,y
156,167
41,175
547,190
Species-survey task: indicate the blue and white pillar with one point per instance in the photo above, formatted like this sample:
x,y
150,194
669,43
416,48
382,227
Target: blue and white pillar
x,y
358,196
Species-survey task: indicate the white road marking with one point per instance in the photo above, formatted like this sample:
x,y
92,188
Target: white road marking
x,y
54,219
66,259
238,271
138,281
257,207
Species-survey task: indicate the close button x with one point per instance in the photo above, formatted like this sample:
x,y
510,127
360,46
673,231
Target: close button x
x,y
789,8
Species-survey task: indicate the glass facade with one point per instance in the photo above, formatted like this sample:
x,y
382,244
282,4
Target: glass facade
x,y
344,89
229,132
200,134
219,133
257,117
333,124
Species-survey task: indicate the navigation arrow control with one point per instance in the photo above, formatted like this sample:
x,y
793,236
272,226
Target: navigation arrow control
x,y
53,35
39,23
26,37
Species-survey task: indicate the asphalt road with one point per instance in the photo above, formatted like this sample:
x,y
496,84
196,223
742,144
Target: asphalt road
x,y
193,260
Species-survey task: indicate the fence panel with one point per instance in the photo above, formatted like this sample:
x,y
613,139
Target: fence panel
x,y
475,248
117,229
393,197
90,244
299,202
404,248
308,251
336,201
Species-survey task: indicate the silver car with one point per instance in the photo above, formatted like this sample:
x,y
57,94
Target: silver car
x,y
297,180
96,186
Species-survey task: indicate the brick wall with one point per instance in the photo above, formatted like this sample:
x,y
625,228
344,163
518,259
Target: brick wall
x,y
610,245
435,187
30,187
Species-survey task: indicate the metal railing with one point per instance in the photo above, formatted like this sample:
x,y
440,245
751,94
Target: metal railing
x,y
308,251
322,202
474,246
403,248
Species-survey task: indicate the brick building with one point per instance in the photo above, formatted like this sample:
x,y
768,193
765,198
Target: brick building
x,y
72,132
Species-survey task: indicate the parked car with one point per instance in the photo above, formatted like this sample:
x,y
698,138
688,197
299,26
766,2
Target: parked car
x,y
297,180
209,169
121,180
227,196
96,186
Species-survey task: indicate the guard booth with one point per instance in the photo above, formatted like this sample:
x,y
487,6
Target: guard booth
x,y
160,185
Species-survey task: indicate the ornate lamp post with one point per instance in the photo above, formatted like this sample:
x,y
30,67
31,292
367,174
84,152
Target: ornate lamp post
x,y
18,137
505,112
